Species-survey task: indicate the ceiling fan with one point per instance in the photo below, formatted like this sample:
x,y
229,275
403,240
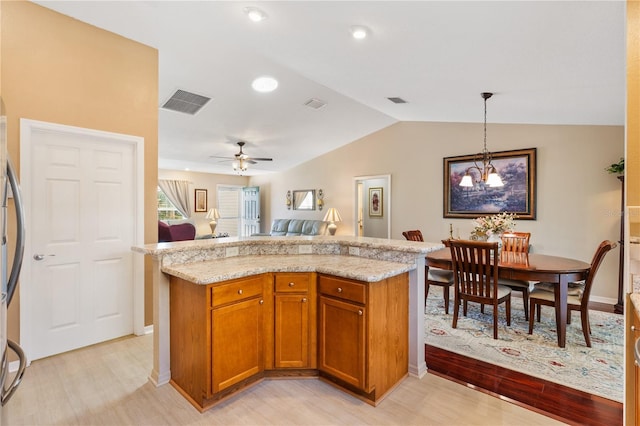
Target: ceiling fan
x,y
241,160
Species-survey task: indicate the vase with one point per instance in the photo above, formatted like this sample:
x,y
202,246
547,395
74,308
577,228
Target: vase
x,y
495,238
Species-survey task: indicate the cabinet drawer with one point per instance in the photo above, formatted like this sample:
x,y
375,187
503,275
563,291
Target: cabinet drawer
x,y
343,288
292,283
236,291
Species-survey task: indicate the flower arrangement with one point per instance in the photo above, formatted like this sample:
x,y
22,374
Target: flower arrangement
x,y
495,224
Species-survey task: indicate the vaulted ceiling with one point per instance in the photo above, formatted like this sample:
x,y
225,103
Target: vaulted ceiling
x,y
548,62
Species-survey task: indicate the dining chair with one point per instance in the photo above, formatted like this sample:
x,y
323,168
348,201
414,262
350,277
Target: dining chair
x,y
577,297
475,273
517,242
433,276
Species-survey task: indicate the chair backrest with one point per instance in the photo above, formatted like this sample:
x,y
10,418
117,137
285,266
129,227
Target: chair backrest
x,y
475,268
516,242
415,235
601,251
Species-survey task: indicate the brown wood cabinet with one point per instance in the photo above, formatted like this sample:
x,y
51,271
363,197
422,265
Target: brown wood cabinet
x,y
229,335
295,320
363,334
218,336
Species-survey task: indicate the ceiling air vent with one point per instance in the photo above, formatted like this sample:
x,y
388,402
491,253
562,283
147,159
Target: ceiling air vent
x,y
186,102
397,100
315,103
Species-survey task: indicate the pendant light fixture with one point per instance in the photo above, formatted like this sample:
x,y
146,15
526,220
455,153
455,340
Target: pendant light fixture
x,y
488,173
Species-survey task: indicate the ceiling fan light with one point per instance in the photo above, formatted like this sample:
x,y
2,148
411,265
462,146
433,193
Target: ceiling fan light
x,y
264,84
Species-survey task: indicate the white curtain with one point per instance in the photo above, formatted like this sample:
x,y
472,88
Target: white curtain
x,y
177,191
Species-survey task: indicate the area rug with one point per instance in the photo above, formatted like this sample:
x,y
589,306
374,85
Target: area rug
x,y
597,370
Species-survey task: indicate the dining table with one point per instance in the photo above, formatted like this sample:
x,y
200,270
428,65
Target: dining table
x,y
532,267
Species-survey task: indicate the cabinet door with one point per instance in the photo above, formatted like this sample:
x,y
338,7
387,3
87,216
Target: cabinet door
x,y
237,347
636,368
342,340
292,331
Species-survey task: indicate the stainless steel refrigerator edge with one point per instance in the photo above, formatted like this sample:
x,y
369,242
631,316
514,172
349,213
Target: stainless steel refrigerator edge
x,y
9,278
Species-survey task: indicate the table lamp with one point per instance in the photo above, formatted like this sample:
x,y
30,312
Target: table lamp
x,y
332,216
213,215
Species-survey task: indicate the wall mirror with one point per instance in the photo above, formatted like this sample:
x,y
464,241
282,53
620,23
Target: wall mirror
x,y
304,199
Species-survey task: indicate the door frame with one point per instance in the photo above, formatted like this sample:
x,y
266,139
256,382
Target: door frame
x,y
27,128
359,201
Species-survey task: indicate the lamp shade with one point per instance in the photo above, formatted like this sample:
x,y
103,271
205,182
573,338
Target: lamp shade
x,y
213,214
332,215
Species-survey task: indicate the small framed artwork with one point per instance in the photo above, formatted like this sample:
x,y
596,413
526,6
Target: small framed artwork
x,y
375,202
517,170
201,200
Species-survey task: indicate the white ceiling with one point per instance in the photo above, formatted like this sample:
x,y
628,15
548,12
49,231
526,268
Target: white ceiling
x,y
547,62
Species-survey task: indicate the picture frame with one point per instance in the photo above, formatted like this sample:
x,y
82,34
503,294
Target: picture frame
x,y
376,202
517,168
200,202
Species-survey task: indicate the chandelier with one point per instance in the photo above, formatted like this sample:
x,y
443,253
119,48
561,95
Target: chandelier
x,y
488,173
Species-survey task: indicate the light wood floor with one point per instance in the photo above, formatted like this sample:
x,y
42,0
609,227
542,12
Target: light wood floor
x,y
107,384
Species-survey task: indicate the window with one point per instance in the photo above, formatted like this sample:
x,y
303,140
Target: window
x,y
166,210
229,209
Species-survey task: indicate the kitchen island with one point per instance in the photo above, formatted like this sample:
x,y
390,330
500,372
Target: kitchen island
x,y
293,291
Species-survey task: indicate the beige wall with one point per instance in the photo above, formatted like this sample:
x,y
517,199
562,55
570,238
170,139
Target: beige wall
x,y
60,70
578,202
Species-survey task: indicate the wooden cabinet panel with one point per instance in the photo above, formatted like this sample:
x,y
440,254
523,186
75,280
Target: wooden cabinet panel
x,y
295,320
236,290
342,341
292,282
291,331
364,345
343,288
213,349
237,351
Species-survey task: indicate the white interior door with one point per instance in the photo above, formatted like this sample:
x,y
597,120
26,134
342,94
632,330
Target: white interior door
x,y
82,204
250,210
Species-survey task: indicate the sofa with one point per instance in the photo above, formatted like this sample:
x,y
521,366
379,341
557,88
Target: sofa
x,y
296,227
179,232
183,229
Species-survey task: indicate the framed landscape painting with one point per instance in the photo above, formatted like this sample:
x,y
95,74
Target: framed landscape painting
x,y
518,195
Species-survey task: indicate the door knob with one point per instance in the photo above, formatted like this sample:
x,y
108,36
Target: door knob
x,y
41,256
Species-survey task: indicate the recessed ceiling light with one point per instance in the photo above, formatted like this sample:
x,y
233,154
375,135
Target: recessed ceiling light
x,y
264,84
255,14
359,32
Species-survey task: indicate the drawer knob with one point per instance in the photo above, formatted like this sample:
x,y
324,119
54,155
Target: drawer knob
x,y
304,300
240,291
360,312
261,301
339,289
291,284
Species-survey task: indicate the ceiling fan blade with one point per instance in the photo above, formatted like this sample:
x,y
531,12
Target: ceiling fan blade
x,y
249,160
218,156
261,159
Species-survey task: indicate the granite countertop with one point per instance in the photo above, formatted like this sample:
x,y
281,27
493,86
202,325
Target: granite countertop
x,y
218,270
161,249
